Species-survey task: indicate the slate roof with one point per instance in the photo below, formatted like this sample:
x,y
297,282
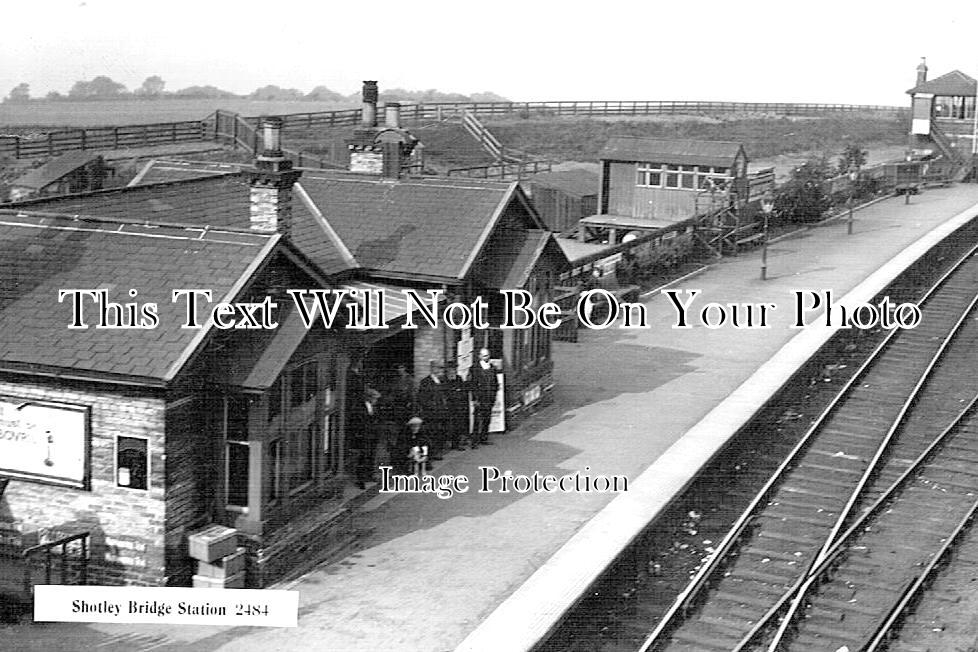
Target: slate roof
x,y
411,227
40,255
216,200
578,182
162,170
690,152
514,256
54,170
952,83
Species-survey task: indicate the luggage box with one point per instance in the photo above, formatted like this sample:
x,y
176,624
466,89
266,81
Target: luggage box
x,y
212,543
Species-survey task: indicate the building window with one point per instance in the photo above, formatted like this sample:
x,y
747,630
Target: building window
x,y
304,450
954,106
650,174
303,383
236,436
275,399
132,462
275,469
712,177
237,474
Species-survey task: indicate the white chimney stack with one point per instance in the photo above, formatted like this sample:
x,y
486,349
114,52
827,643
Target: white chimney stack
x,y
271,182
392,115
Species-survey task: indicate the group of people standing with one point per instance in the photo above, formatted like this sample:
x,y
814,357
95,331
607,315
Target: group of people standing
x,y
417,425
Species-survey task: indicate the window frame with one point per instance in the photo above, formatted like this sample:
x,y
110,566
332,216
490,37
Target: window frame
x,y
243,509
149,483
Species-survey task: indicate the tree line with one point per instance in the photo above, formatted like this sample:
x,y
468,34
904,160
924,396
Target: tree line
x,y
154,87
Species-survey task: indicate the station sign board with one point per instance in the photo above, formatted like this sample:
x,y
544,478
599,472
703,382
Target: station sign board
x,y
44,441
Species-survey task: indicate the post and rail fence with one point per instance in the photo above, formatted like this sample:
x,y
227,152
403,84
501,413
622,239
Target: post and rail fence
x,y
240,132
146,135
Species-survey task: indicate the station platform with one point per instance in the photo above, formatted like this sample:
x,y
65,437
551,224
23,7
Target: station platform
x,y
495,571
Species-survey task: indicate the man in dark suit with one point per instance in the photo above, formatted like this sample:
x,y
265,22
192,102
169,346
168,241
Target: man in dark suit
x,y
457,395
483,384
433,408
365,426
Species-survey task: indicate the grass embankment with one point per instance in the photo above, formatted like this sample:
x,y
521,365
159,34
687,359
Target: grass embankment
x,y
581,139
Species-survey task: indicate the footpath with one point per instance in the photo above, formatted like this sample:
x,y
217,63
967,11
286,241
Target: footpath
x,y
492,571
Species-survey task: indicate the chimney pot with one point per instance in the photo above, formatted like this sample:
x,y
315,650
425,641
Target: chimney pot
x,y
392,115
922,71
369,110
271,137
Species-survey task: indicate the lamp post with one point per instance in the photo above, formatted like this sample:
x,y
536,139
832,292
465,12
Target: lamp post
x,y
767,205
853,176
906,197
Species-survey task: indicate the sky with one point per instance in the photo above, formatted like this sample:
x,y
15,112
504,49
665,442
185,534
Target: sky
x,y
857,52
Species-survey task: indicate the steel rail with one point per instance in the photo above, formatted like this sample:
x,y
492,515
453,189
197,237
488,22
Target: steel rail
x,y
685,599
796,595
870,471
886,629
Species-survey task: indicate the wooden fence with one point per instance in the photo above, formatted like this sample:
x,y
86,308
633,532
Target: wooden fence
x,y
437,111
70,140
58,142
238,132
503,171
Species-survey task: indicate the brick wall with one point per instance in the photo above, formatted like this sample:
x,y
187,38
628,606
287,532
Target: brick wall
x,y
320,533
126,524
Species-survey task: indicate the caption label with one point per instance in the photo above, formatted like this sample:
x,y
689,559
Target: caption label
x,y
184,606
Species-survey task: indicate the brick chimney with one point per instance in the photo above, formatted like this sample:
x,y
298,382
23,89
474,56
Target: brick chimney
x,y
922,71
271,182
392,115
393,158
369,112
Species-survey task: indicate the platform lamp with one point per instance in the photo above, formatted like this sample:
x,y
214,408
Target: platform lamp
x,y
767,206
853,177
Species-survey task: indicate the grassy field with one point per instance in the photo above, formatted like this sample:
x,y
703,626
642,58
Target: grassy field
x,y
763,137
36,115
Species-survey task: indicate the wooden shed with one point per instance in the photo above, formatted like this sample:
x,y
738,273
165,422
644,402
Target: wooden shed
x,y
650,184
562,198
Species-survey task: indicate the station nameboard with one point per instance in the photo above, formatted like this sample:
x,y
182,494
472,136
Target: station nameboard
x,y
44,441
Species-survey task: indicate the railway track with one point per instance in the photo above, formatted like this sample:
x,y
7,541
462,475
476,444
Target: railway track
x,y
888,551
941,613
852,454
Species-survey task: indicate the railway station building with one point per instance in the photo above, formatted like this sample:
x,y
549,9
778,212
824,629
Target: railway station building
x,y
121,422
167,430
